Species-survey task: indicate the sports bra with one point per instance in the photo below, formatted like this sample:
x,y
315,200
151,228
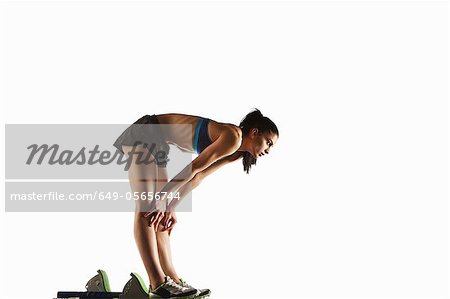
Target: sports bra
x,y
201,136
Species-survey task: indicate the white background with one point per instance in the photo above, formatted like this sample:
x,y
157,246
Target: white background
x,y
351,202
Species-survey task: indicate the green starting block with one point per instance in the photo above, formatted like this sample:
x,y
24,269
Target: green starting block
x,y
98,287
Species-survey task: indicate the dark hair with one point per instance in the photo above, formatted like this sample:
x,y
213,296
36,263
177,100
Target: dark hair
x,y
255,119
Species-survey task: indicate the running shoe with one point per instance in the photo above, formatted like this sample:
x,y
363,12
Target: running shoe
x,y
203,293
170,289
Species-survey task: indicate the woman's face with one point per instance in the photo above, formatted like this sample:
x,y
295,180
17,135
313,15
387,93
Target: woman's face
x,y
261,143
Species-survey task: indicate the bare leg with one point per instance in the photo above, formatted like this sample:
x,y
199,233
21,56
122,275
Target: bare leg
x,y
165,255
162,237
142,179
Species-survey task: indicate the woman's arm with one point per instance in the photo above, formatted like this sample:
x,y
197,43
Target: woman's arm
x,y
227,143
198,178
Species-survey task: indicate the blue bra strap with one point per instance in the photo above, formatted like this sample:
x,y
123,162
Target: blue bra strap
x,y
197,130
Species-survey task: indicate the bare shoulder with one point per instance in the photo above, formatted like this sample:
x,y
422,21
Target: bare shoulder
x,y
227,129
231,135
236,130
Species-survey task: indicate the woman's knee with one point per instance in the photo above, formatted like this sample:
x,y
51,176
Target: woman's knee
x,y
140,220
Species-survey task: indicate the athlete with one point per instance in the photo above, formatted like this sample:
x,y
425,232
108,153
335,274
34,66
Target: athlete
x,y
216,144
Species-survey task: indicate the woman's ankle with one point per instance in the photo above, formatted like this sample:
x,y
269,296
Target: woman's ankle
x,y
174,277
156,283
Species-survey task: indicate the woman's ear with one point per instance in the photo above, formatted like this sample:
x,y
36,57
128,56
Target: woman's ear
x,y
254,132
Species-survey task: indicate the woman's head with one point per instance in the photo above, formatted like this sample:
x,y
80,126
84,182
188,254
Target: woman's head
x,y
259,134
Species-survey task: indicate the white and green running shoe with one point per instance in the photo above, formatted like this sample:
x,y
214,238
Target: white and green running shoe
x,y
203,293
170,289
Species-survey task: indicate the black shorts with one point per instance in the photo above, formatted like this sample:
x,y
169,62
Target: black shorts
x,y
150,137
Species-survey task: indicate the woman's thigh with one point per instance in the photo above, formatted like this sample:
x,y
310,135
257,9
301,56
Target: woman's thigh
x,y
163,178
142,176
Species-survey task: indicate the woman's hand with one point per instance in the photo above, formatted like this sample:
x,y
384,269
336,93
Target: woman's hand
x,y
168,222
156,214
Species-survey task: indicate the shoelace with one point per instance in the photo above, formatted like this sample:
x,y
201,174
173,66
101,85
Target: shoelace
x,y
186,285
172,283
169,282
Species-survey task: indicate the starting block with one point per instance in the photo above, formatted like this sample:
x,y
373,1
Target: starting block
x,y
98,287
